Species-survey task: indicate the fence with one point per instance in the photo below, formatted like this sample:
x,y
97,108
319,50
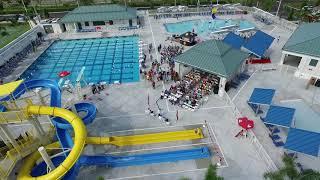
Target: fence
x,y
19,44
270,17
254,140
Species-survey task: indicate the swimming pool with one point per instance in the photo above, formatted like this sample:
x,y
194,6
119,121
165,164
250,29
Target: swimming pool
x,y
105,60
305,117
204,26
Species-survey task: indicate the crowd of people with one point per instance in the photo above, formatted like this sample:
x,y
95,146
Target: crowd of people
x,y
157,72
168,53
189,93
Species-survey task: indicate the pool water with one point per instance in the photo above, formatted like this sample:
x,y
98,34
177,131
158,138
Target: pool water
x,y
105,60
205,26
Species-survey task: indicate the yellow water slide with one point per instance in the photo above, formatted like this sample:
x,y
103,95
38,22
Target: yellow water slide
x,y
79,142
80,139
147,138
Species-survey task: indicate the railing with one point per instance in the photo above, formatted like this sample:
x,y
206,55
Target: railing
x,y
13,117
19,44
26,146
275,19
254,140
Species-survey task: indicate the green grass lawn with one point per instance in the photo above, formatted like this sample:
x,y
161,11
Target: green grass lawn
x,y
14,32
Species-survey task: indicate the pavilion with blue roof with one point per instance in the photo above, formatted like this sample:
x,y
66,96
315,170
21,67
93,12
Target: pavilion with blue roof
x,y
259,43
298,140
260,96
279,116
303,141
234,40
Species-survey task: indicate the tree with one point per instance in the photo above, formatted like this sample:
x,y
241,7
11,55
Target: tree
x,y
291,13
100,178
26,2
86,2
212,173
289,171
303,4
317,3
4,33
267,4
1,5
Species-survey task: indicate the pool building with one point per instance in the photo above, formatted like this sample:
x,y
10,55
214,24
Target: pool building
x,y
302,51
214,57
99,18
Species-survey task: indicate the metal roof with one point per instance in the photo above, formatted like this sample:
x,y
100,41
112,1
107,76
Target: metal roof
x,y
305,40
262,96
99,13
303,141
213,56
280,116
234,40
259,43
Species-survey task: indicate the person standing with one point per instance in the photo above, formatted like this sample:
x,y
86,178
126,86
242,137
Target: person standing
x,y
153,84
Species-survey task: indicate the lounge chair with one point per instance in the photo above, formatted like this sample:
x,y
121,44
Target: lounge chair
x,y
299,165
269,125
278,143
275,130
254,108
274,137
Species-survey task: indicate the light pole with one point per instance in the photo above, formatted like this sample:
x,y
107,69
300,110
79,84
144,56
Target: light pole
x,y
280,1
25,8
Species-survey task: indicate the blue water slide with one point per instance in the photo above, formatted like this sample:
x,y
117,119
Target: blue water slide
x,y
142,159
131,160
55,101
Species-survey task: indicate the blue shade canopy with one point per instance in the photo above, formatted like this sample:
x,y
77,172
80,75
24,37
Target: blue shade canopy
x,y
259,43
303,141
234,40
261,96
281,116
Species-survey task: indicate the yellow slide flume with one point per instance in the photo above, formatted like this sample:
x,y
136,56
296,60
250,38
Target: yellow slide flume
x,y
81,139
80,136
147,138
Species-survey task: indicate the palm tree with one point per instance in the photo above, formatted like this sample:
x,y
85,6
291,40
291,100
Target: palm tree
x,y
289,171
212,173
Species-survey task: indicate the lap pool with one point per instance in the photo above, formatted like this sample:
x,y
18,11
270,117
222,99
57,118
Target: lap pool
x,y
105,60
205,26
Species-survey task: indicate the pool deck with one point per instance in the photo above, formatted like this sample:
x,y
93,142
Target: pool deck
x,y
124,108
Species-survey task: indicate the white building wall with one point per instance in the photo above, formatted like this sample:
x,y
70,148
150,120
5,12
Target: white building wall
x,y
56,28
304,71
72,27
182,69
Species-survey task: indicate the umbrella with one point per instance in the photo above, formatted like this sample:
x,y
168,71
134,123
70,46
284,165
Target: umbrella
x,y
245,123
63,73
